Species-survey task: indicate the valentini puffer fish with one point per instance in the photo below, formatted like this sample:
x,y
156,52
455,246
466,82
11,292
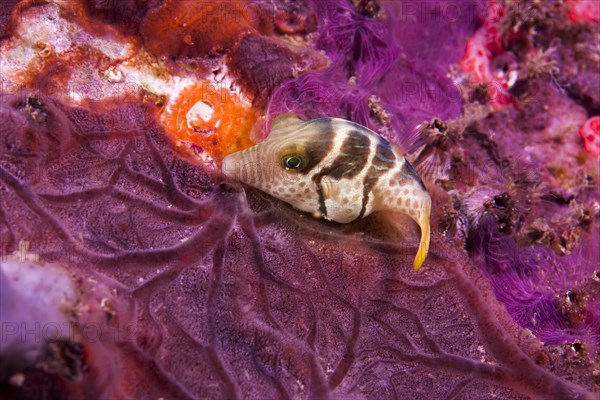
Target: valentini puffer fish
x,y
335,169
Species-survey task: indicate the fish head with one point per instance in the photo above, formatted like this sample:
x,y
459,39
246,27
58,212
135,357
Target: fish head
x,y
280,165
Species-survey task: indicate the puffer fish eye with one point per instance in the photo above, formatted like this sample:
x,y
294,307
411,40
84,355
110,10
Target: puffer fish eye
x,y
293,161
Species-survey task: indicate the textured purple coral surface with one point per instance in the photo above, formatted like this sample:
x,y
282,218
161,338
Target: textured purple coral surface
x,y
219,291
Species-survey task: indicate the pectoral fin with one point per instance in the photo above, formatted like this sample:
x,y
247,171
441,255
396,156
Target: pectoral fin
x,y
330,188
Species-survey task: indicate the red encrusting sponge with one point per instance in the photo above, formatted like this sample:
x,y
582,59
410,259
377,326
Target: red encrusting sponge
x,y
590,133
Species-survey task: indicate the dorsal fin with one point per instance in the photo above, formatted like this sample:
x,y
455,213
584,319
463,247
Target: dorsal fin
x,y
286,123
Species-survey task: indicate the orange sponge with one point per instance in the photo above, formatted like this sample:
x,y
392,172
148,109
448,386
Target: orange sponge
x,y
212,118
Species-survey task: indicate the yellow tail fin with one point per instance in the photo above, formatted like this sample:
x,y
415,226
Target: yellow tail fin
x,y
425,235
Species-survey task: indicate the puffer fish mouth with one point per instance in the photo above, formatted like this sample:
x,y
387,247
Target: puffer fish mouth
x,y
230,167
242,167
235,166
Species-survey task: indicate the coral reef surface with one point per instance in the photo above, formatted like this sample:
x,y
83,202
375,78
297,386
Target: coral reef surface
x,y
157,277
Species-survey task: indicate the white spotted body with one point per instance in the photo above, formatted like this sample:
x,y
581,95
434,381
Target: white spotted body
x,y
335,169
